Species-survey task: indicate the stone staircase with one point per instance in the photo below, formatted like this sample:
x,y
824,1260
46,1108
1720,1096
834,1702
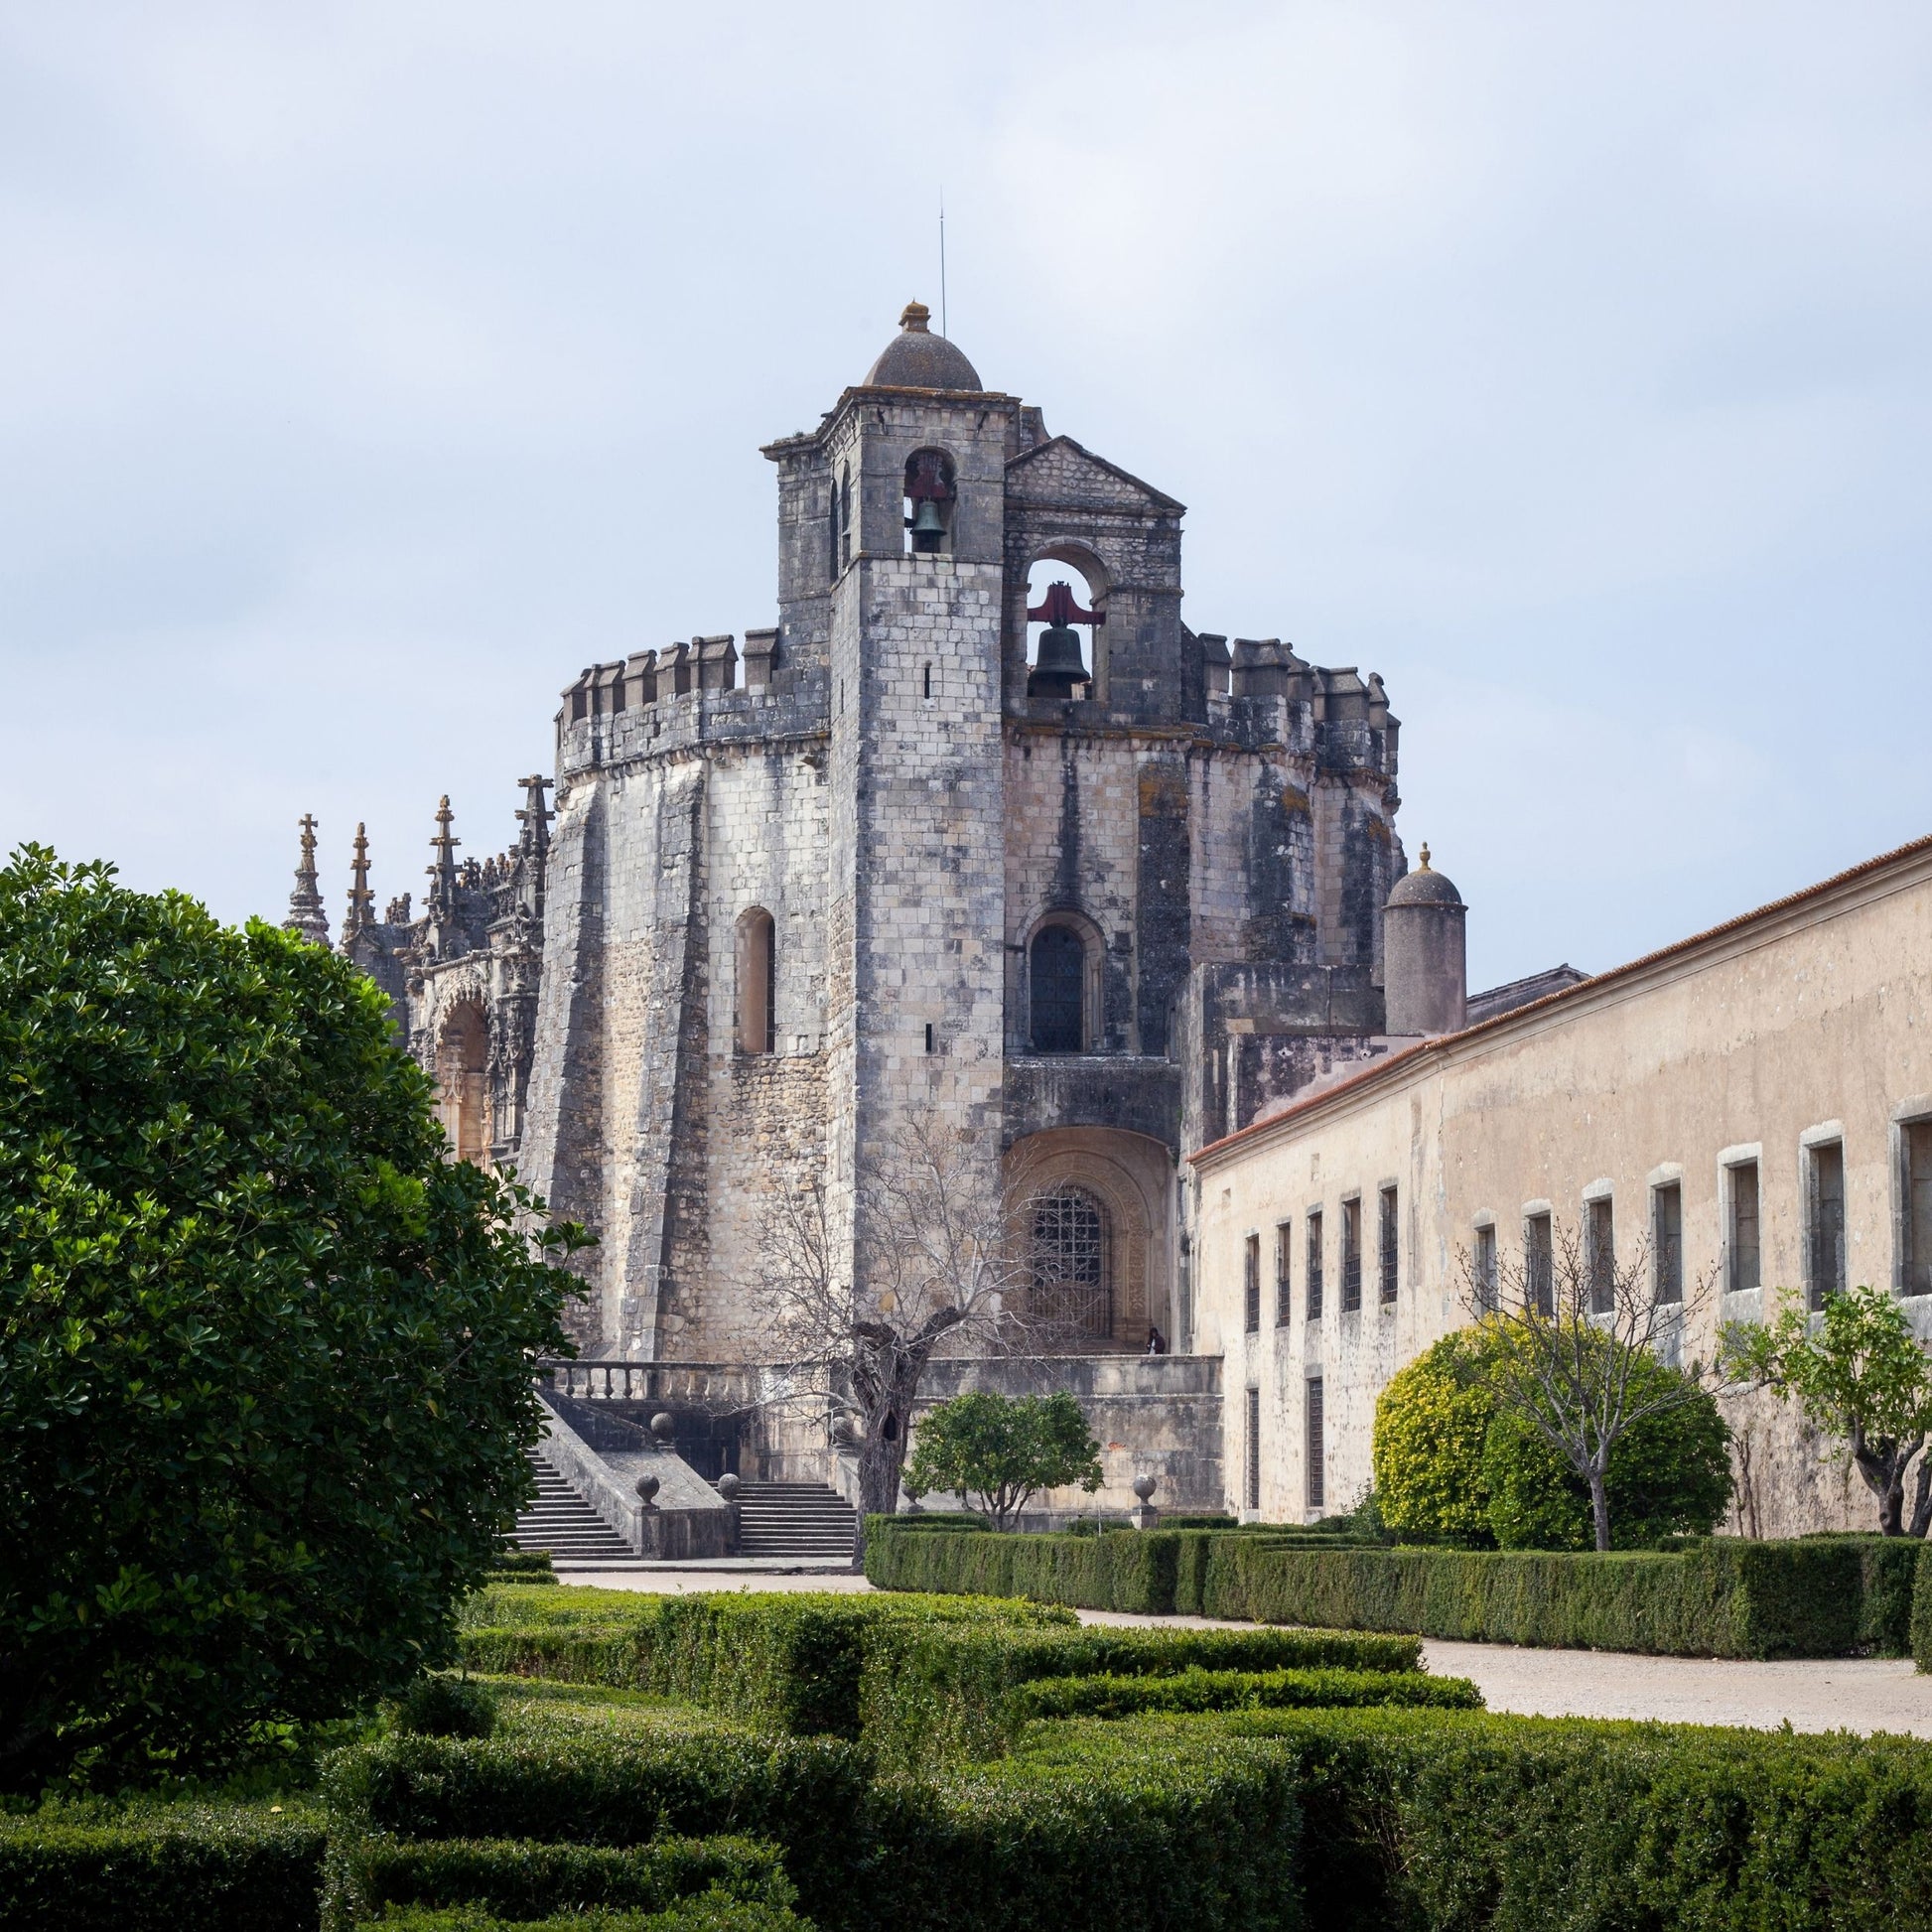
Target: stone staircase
x,y
563,1523
809,1521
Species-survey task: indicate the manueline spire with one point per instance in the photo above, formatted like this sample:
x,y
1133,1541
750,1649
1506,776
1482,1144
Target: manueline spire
x,y
306,916
534,838
360,898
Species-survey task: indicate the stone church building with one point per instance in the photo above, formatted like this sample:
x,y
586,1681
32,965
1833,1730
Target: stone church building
x,y
1083,882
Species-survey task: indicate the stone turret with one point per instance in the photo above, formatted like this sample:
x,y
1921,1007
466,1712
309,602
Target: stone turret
x,y
1424,952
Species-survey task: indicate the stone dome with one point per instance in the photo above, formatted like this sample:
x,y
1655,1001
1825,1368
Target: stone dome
x,y
916,358
1424,887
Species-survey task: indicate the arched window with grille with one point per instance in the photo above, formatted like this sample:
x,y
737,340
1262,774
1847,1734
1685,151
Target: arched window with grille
x,y
1059,971
758,983
1070,1285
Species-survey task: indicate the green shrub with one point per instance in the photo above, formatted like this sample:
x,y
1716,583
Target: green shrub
x,y
1102,1835
161,1869
446,1707
1227,1689
1431,1820
1721,1597
1921,1625
530,1879
704,1914
935,1693
1669,1473
787,1662
560,1783
265,1392
522,1567
1431,1420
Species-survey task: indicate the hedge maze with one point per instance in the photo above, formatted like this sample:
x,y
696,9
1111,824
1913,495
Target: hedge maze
x,y
776,1763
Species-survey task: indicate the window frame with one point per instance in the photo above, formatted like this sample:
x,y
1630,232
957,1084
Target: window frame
x,y
1485,1264
1251,1487
1540,1256
1316,1278
1599,1251
1910,1118
1733,1161
1284,1286
1315,1442
1351,1254
1388,1244
1251,1282
1816,1143
1667,1247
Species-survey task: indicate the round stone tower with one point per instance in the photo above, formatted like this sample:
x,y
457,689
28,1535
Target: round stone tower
x,y
1424,954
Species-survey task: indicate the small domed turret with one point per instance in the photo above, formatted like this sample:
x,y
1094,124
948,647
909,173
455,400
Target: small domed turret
x,y
916,358
1425,968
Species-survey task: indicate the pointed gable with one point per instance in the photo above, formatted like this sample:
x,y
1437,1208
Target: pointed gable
x,y
1060,474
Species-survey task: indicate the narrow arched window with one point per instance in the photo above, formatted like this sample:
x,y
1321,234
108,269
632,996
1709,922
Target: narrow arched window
x,y
928,681
845,519
1059,975
1071,1289
758,983
461,1083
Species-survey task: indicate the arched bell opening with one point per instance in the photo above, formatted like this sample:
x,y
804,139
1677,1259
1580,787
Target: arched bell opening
x,y
1065,609
462,1088
932,496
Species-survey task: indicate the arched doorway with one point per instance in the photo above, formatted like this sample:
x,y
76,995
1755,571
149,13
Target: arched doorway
x,y
462,1099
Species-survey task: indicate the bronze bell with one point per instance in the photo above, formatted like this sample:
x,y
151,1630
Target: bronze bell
x,y
1061,663
928,528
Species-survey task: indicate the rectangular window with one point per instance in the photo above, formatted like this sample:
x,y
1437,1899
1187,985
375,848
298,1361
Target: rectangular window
x,y
1317,1489
1385,1250
1742,1269
1315,1263
1916,1159
1600,1254
1667,1241
1827,1217
1251,1284
1254,1448
1486,1270
1539,1264
1351,1255
1284,1232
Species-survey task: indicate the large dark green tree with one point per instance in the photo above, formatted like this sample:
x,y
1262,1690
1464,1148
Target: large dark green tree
x,y
264,1351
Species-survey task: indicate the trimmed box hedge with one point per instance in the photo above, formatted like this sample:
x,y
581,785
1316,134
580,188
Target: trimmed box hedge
x,y
525,1878
162,1868
1721,1596
1233,1689
933,1693
1424,1820
705,1914
785,1662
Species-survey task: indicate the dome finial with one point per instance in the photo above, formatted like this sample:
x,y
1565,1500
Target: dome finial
x,y
916,316
1424,867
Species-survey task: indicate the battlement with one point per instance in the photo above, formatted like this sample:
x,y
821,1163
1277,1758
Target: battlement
x,y
1333,712
645,677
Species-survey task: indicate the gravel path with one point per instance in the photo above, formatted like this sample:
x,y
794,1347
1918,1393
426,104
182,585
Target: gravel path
x,y
1862,1693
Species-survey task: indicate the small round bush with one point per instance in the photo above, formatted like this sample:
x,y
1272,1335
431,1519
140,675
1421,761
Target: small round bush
x,y
1669,1474
446,1707
1431,1423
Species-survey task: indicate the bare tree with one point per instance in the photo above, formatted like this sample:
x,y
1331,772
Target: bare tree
x,y
940,1258
1582,1335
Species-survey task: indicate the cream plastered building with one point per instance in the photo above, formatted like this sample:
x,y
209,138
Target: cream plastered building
x,y
1754,1103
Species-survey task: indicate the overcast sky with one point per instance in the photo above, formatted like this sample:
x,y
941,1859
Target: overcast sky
x,y
365,371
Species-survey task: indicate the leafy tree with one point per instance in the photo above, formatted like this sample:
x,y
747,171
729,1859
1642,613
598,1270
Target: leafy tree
x,y
998,1450
1860,1375
1431,1421
1454,1460
1669,1474
1582,1333
265,1386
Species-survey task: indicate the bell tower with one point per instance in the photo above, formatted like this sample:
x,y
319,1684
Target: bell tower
x,y
913,461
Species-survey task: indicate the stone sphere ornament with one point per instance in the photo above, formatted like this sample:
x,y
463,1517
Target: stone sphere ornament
x,y
664,1426
648,1488
1145,1486
727,1486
